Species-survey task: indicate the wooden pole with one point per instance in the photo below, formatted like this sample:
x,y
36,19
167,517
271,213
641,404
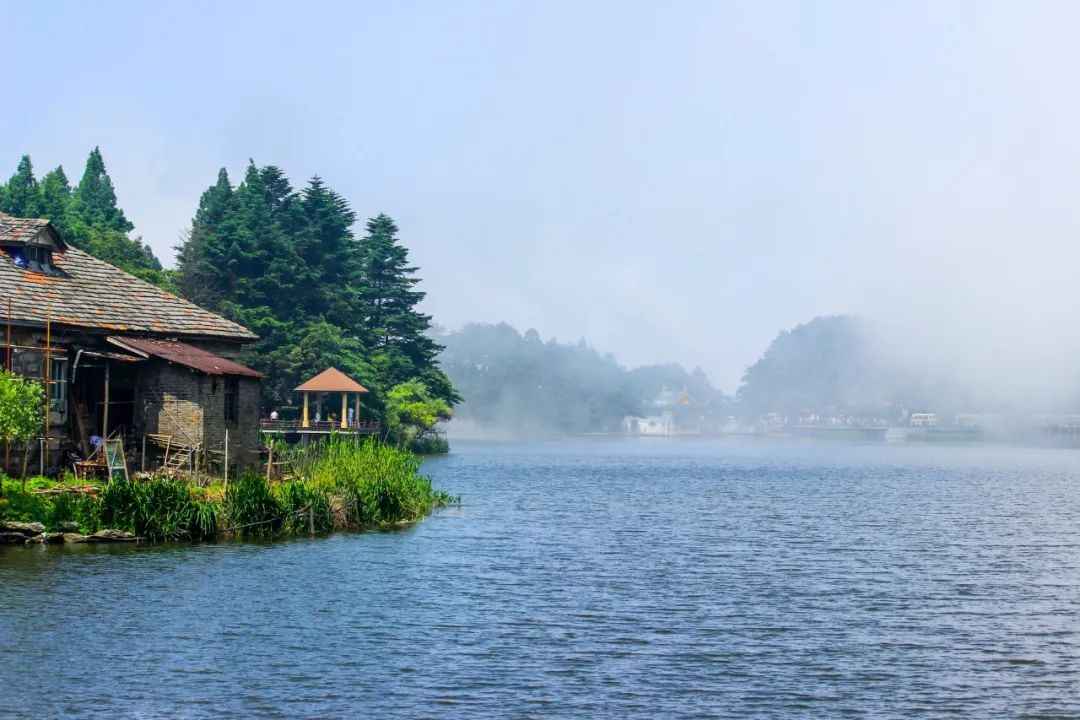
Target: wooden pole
x,y
105,412
10,365
226,458
10,368
344,411
48,379
269,461
311,519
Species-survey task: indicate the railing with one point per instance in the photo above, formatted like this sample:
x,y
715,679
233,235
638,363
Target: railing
x,y
323,426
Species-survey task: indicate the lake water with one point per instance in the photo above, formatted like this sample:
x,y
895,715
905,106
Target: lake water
x,y
607,579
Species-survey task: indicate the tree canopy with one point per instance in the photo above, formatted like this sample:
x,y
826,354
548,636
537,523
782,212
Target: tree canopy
x,y
288,265
21,416
87,216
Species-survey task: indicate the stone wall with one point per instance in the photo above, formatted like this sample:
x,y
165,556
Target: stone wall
x,y
181,402
170,402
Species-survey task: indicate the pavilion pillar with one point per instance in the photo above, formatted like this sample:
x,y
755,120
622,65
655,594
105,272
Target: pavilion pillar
x,y
356,417
344,410
305,422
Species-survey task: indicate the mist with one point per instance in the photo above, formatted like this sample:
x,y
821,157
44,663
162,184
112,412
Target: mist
x,y
672,184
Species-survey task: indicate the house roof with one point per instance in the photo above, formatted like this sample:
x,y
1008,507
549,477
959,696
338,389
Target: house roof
x,y
183,354
20,231
94,294
332,380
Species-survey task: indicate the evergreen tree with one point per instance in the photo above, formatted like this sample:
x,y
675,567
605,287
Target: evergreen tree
x,y
95,198
287,265
397,332
54,199
200,258
20,193
331,254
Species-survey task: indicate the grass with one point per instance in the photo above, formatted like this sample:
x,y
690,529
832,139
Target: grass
x,y
342,483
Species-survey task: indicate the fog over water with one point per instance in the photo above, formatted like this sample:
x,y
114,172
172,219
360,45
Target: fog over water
x,y
674,183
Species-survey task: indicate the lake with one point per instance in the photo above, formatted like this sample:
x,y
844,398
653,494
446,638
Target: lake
x,y
594,579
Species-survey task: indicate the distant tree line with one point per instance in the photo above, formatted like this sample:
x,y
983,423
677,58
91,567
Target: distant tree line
x,y
518,383
832,366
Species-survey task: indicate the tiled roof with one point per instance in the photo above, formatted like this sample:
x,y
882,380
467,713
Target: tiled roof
x,y
97,295
20,230
186,355
332,380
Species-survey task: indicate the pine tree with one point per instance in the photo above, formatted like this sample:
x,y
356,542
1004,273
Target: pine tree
x,y
396,331
200,258
20,195
54,198
287,265
330,252
95,199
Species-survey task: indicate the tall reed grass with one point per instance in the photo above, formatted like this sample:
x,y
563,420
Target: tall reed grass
x,y
341,483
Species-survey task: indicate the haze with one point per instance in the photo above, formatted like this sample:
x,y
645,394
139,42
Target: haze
x,y
670,181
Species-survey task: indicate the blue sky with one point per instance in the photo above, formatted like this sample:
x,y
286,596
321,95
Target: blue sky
x,y
672,181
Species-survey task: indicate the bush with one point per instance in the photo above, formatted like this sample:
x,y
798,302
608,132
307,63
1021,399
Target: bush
x,y
378,484
429,445
157,509
299,500
251,507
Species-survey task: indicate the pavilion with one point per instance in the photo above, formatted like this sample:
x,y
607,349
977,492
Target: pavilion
x,y
329,382
332,380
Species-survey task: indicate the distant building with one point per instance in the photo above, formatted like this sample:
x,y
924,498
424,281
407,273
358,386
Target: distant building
x,y
662,425
923,420
671,412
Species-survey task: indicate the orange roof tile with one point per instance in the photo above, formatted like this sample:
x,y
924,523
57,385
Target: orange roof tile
x,y
332,380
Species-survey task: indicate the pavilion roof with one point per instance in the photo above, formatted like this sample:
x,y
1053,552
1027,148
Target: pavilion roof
x,y
332,380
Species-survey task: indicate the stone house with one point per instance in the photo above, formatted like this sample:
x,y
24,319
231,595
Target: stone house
x,y
120,357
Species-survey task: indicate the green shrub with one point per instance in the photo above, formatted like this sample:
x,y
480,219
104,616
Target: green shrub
x,y
429,445
157,509
379,484
83,510
298,500
22,506
251,507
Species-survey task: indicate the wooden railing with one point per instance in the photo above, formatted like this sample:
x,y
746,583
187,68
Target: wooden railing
x,y
323,426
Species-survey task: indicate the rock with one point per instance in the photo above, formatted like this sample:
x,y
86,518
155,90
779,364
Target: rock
x,y
11,538
67,527
33,528
47,538
74,538
111,536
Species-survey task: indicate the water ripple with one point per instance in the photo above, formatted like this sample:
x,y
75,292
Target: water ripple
x,y
594,580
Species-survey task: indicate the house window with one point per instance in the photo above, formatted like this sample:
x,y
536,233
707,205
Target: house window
x,y
35,258
38,258
232,400
58,376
